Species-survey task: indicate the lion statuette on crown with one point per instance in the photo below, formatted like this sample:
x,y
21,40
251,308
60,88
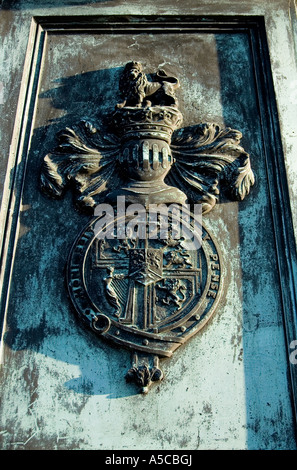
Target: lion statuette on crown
x,y
135,87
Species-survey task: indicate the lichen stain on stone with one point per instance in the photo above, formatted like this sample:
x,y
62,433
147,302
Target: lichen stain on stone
x,y
207,409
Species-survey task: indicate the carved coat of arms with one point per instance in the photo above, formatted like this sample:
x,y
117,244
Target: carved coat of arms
x,y
145,273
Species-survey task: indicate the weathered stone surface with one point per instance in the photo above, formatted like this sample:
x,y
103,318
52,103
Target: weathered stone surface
x,y
230,388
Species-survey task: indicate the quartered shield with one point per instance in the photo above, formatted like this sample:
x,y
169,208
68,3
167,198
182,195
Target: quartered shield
x,y
148,295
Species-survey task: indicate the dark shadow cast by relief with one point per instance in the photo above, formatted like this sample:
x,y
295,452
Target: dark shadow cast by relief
x,y
269,418
49,228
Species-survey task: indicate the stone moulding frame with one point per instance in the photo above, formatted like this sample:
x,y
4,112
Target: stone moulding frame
x,y
254,26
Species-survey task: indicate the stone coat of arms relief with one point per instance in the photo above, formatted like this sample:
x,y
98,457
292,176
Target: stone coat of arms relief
x,y
146,273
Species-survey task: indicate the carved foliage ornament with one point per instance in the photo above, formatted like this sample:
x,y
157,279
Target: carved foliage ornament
x,y
151,292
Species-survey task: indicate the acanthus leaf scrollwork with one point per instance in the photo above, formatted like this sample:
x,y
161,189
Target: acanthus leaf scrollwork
x,y
208,157
85,160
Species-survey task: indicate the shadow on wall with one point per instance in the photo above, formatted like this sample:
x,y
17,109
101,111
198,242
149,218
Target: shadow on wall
x,y
48,230
269,417
91,95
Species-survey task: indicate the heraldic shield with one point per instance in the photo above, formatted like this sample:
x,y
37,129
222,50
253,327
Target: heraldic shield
x,y
149,294
146,282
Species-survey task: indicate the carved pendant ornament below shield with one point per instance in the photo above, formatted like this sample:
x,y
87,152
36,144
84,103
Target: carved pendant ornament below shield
x,y
147,286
